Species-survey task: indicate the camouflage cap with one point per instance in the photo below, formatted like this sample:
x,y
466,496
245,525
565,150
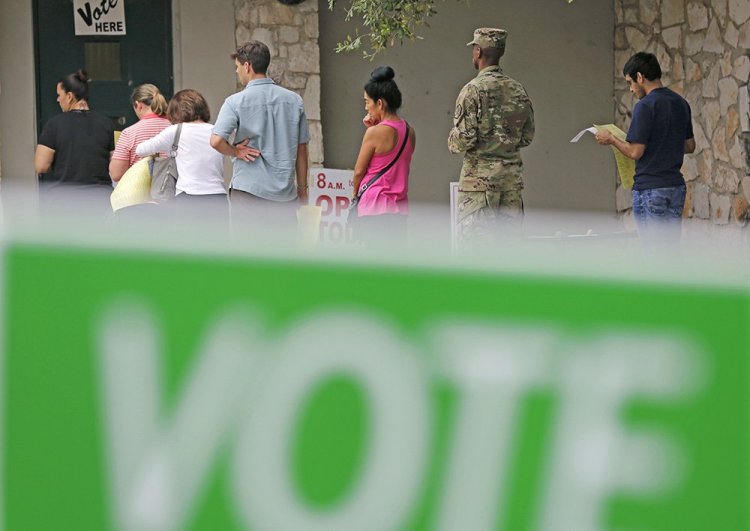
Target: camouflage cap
x,y
489,38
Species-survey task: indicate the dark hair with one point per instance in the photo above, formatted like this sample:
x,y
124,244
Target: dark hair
x,y
645,63
493,54
382,87
187,106
76,83
150,96
254,52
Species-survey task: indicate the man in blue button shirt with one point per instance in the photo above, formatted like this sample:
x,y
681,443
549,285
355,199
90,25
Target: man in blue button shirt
x,y
660,134
269,148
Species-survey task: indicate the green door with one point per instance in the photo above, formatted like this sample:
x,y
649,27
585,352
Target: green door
x,y
116,63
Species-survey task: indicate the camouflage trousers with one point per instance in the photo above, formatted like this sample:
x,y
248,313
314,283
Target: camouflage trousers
x,y
487,217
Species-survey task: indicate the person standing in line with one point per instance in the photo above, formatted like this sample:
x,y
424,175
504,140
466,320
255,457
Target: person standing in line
x,y
388,144
200,187
660,134
493,119
150,107
270,145
73,153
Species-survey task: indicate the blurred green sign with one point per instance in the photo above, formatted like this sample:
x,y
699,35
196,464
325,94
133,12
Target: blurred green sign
x,y
162,392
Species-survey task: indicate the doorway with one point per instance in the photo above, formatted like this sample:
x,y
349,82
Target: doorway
x,y
116,64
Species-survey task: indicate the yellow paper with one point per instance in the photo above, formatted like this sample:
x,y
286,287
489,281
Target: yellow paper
x,y
134,188
625,166
117,136
308,224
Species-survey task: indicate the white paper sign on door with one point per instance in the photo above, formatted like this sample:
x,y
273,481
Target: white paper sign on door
x,y
99,17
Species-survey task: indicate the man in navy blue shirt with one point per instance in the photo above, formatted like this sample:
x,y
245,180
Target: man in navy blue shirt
x,y
660,134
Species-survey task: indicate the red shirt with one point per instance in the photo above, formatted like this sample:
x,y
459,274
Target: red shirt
x,y
146,128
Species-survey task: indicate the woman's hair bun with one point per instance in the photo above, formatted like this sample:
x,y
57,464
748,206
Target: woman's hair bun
x,y
383,73
82,75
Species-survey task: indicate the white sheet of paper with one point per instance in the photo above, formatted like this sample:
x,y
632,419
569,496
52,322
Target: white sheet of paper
x,y
591,130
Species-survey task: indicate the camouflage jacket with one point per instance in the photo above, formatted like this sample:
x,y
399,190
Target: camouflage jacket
x,y
493,120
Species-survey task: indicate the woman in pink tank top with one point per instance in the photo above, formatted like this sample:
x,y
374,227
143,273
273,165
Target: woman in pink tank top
x,y
384,203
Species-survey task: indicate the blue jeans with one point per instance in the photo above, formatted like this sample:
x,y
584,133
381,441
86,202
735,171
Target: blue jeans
x,y
659,204
658,215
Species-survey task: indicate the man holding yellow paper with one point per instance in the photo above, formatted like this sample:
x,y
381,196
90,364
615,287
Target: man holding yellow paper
x,y
660,134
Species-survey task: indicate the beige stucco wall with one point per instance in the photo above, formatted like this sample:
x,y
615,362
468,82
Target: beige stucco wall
x,y
18,99
203,35
561,52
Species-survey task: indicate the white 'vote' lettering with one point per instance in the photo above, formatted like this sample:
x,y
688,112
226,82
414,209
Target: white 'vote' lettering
x,y
244,389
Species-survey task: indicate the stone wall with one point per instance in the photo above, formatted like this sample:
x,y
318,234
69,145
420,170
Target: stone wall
x,y
703,47
291,33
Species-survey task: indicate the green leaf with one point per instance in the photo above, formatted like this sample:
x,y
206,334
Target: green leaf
x,y
386,22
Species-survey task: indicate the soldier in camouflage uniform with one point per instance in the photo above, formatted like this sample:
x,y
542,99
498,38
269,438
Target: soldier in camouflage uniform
x,y
493,120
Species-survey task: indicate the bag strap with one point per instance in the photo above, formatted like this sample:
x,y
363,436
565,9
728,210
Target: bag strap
x,y
173,153
363,189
